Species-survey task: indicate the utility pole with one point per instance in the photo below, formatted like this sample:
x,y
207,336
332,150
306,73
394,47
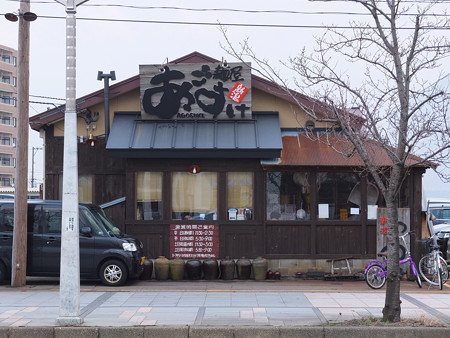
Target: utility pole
x,y
35,149
69,290
19,252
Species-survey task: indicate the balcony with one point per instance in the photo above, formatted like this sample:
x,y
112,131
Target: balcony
x,y
9,67
8,108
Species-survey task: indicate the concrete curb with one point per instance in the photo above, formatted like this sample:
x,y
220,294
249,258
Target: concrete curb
x,y
224,332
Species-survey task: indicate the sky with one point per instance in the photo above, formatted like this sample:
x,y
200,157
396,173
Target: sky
x,y
105,45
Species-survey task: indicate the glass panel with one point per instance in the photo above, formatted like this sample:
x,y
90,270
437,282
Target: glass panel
x,y
85,188
288,196
148,195
194,196
240,195
51,220
339,196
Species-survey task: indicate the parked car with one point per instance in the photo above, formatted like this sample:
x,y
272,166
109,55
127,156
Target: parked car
x,y
105,253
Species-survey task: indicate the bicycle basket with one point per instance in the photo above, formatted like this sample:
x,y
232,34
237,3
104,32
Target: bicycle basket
x,y
426,245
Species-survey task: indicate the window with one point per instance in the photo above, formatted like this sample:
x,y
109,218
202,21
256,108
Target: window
x,y
5,141
240,195
149,195
85,188
288,195
6,79
6,120
5,160
339,196
194,196
5,181
7,218
6,58
51,220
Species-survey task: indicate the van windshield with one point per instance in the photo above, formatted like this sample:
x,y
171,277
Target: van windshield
x,y
101,217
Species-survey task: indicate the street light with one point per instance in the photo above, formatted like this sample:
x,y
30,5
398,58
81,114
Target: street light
x,y
27,16
69,309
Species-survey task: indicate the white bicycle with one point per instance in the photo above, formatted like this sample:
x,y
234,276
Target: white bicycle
x,y
433,267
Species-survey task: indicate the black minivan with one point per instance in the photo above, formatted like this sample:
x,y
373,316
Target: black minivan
x,y
105,253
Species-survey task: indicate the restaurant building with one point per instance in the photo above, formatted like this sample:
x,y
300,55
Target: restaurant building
x,y
207,160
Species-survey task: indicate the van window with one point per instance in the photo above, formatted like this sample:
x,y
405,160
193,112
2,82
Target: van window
x,y
51,220
7,219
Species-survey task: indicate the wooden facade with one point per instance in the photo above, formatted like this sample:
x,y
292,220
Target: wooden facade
x,y
295,239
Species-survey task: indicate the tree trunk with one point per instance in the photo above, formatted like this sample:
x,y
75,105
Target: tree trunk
x,y
392,309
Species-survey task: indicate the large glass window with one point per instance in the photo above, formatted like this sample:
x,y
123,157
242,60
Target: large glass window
x,y
240,196
194,196
339,196
85,188
288,195
149,195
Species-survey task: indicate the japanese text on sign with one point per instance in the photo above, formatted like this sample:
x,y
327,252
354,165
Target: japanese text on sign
x,y
195,91
194,241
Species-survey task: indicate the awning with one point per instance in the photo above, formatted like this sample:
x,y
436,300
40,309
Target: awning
x,y
133,137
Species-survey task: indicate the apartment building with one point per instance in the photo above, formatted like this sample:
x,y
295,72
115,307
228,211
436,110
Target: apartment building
x,y
8,115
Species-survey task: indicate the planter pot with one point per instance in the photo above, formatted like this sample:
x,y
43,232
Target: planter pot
x,y
227,268
260,266
244,268
161,268
194,269
177,267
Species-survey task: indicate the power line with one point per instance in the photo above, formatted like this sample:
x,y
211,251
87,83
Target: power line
x,y
238,24
254,11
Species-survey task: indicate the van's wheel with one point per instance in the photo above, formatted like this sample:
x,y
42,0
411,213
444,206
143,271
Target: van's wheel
x,y
3,277
113,273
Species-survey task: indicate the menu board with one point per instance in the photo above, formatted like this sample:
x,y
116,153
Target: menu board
x,y
194,241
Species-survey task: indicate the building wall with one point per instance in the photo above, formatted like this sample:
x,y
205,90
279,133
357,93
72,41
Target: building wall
x,y
8,115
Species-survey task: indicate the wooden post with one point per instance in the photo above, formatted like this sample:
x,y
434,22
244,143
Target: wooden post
x,y
19,252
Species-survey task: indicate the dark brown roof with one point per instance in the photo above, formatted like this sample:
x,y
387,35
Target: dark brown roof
x,y
132,83
304,151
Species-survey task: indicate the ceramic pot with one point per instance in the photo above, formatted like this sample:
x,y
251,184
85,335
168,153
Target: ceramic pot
x,y
244,268
148,270
194,269
161,268
260,266
176,267
210,269
227,268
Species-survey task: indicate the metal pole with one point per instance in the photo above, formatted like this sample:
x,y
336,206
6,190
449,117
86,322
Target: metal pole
x,y
105,78
35,149
69,310
19,252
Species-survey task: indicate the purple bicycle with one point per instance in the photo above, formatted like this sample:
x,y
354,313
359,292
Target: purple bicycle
x,y
376,271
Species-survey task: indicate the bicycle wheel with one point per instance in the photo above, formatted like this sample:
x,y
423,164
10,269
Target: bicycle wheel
x,y
439,278
418,280
445,273
376,277
430,271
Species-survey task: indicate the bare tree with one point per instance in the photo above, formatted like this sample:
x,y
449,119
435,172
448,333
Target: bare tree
x,y
399,90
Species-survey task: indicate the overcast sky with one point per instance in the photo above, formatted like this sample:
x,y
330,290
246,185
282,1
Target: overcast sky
x,y
123,45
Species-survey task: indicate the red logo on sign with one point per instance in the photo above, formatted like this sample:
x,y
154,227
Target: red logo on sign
x,y
238,92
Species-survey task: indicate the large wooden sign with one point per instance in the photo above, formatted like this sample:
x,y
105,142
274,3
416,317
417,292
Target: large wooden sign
x,y
194,241
196,91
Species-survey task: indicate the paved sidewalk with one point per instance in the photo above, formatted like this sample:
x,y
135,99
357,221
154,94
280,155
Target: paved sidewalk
x,y
219,304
